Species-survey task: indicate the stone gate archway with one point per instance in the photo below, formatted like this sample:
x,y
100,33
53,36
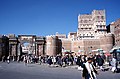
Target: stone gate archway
x,y
28,44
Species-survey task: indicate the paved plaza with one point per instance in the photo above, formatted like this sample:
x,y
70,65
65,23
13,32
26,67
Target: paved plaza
x,y
16,70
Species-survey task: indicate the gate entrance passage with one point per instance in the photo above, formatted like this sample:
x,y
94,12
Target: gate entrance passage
x,y
28,44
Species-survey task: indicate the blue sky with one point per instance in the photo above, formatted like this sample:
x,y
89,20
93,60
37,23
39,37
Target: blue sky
x,y
46,17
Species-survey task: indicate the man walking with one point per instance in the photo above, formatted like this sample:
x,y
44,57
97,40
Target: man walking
x,y
89,71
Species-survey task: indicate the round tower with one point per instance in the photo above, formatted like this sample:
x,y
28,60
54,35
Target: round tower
x,y
51,45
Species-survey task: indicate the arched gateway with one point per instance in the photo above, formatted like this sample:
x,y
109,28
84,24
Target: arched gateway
x,y
26,45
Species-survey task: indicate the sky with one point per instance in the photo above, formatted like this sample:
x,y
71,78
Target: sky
x,y
46,17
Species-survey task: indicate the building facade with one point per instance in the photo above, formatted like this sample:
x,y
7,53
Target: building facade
x,y
117,32
91,24
114,28
17,46
91,33
31,45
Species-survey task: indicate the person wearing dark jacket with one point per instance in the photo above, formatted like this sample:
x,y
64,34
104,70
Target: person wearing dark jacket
x,y
79,63
49,60
100,61
89,71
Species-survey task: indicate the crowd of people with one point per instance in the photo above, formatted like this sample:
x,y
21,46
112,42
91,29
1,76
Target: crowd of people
x,y
65,60
59,60
88,63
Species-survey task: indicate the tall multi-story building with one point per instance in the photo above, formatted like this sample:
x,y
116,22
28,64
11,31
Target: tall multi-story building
x,y
91,24
91,33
